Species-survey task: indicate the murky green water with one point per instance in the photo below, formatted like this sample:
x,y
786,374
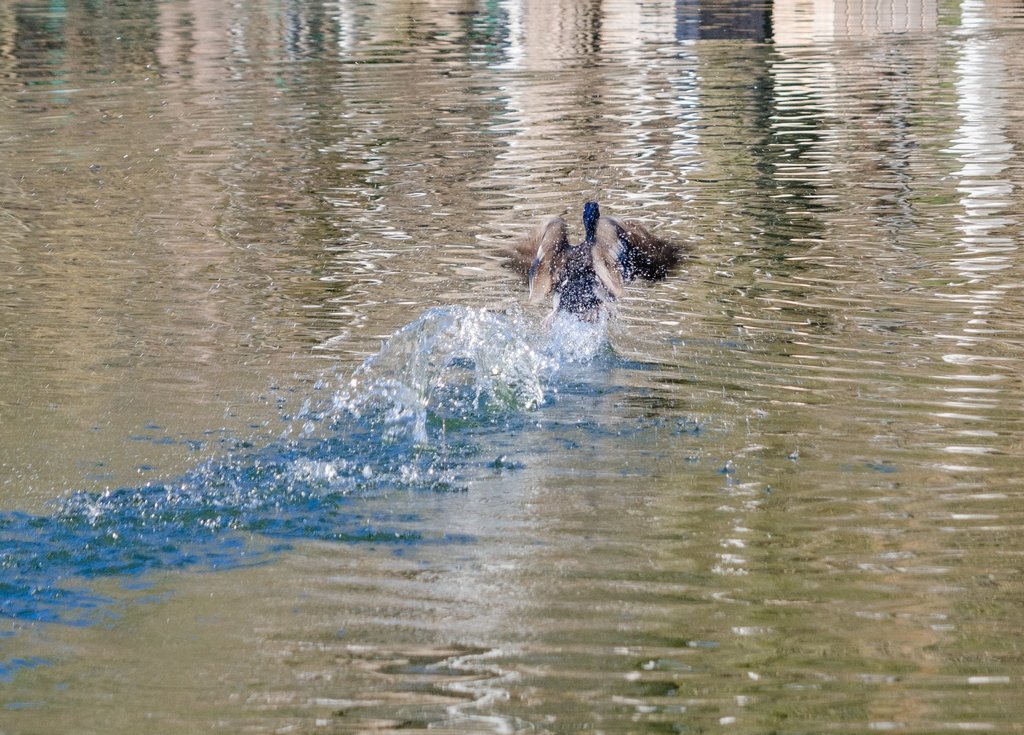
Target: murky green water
x,y
784,495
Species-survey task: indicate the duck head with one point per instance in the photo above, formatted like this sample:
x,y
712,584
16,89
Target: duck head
x,y
591,214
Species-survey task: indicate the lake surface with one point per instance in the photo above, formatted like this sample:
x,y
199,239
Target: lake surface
x,y
283,448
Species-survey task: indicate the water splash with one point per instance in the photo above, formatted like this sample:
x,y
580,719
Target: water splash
x,y
453,369
459,366
570,341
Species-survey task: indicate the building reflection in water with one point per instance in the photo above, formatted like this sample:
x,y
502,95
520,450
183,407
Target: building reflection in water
x,y
806,21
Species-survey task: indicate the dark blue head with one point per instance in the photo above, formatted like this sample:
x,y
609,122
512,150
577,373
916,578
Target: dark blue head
x,y
591,213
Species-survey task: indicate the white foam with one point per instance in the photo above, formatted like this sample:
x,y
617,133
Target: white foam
x,y
460,363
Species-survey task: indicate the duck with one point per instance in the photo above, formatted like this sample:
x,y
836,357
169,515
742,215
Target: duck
x,y
588,278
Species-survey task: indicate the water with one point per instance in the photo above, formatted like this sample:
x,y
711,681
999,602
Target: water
x,y
282,449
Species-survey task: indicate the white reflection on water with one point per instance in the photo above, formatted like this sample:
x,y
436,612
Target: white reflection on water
x,y
985,153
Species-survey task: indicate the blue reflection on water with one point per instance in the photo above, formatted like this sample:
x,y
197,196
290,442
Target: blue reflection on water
x,y
10,668
222,515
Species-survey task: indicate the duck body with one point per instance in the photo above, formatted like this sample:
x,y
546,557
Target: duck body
x,y
578,289
586,279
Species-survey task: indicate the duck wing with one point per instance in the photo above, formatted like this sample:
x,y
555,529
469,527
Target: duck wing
x,y
624,250
645,254
607,253
539,254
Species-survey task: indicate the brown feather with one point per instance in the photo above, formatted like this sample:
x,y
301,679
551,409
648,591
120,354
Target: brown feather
x,y
607,254
550,234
